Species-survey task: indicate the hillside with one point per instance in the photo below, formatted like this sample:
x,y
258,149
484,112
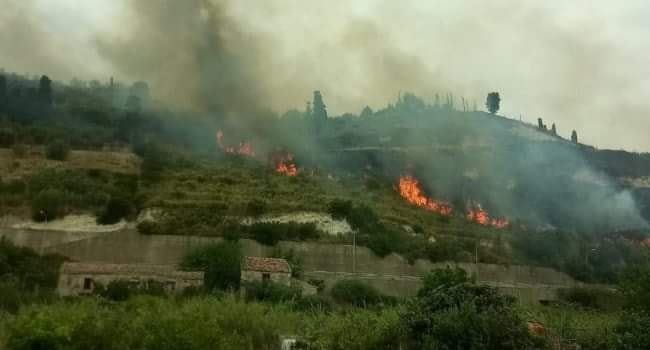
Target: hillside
x,y
425,181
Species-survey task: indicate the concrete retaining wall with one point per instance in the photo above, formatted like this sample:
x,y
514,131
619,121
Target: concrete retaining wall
x,y
329,262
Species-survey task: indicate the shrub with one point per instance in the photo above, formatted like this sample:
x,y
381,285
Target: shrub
x,y
357,329
339,209
57,150
271,292
268,233
292,257
317,303
383,242
115,210
119,290
632,331
355,293
256,208
11,295
221,263
148,227
48,205
452,313
591,298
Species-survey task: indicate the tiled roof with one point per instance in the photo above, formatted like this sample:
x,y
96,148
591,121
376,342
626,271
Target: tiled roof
x,y
266,265
73,268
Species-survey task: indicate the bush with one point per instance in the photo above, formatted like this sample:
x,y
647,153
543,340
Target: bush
x,y
256,208
268,233
316,303
151,323
48,205
450,312
292,257
357,329
115,210
221,263
116,290
57,150
271,292
340,209
148,227
591,298
355,293
632,331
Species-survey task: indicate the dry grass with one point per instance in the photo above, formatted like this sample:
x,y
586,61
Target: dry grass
x,y
14,166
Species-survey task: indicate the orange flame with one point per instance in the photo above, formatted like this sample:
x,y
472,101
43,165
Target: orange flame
x,y
244,149
409,189
285,165
477,214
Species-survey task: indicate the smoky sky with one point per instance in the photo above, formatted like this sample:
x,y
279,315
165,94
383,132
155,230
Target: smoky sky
x,y
580,64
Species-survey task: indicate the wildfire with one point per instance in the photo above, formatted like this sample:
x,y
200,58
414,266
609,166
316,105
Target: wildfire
x,y
409,189
284,163
244,148
477,214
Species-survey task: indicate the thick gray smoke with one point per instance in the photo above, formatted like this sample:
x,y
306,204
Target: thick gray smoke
x,y
578,64
192,53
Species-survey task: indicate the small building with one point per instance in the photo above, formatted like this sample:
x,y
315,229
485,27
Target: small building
x,y
82,278
266,269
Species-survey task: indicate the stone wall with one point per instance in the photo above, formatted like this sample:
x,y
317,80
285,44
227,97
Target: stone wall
x,y
329,262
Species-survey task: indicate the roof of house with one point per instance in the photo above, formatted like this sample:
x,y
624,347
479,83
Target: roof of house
x,y
75,268
252,263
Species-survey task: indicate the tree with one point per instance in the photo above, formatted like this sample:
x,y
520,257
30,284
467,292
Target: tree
x,y
574,136
45,90
553,129
540,123
493,102
133,104
221,263
366,112
319,111
451,312
3,94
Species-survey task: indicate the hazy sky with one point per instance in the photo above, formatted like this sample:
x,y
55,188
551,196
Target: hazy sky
x,y
580,64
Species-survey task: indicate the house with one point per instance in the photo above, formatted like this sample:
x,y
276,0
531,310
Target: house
x,y
266,269
82,278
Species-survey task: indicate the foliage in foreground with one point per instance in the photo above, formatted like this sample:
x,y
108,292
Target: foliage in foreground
x,y
450,312
197,323
221,263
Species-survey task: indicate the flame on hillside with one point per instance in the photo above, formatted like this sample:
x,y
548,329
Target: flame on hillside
x,y
409,189
286,166
477,214
283,162
243,149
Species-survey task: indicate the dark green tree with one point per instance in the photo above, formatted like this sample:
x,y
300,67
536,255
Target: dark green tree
x,y
553,129
3,94
45,90
319,111
451,312
221,263
133,105
493,102
574,136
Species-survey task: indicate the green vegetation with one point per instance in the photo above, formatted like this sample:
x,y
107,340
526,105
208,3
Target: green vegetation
x,y
221,263
57,150
356,293
25,276
450,312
